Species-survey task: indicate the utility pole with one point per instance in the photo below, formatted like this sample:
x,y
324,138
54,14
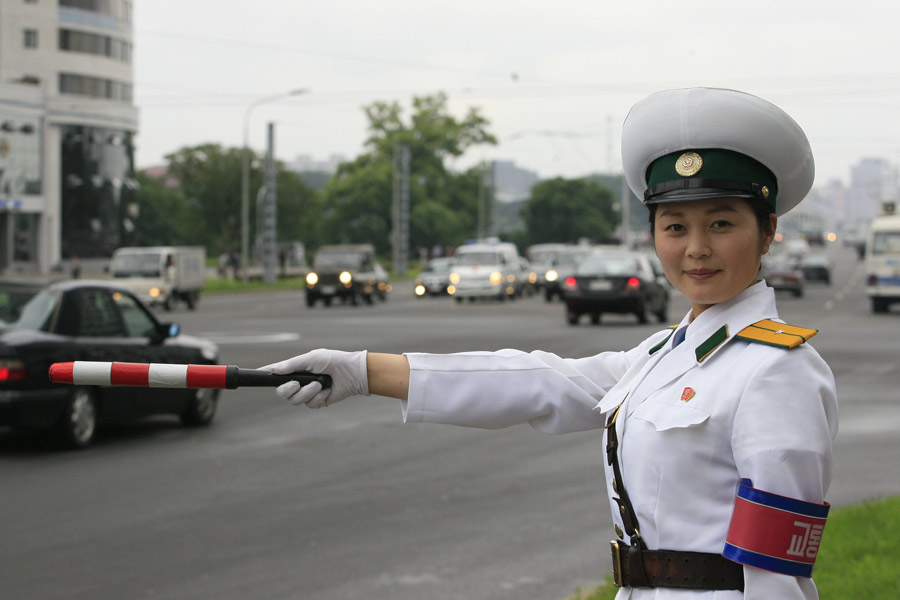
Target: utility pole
x,y
400,234
270,216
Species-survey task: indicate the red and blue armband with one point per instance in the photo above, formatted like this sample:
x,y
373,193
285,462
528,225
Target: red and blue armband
x,y
773,532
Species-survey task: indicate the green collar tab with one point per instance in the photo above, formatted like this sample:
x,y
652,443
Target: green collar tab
x,y
659,346
711,343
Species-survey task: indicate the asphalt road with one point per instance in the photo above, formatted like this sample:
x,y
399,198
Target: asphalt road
x,y
274,501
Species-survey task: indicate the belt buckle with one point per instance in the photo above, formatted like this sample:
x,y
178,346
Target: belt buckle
x,y
616,562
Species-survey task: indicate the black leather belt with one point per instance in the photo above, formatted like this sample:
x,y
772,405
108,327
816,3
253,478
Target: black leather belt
x,y
674,569
636,566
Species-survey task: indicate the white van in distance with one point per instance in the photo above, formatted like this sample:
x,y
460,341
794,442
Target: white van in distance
x,y
883,259
486,270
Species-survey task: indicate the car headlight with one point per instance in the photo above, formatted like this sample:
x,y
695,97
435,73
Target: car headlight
x,y
154,292
454,278
345,277
511,278
552,275
420,290
312,279
496,278
451,290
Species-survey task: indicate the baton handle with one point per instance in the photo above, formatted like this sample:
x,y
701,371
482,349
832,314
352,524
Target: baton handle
x,y
260,378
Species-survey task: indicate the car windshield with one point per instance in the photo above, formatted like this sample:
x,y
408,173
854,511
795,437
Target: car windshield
x,y
886,242
571,258
543,257
469,259
335,260
131,265
35,313
609,265
439,266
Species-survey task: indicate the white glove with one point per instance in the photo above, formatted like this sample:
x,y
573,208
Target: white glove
x,y
349,377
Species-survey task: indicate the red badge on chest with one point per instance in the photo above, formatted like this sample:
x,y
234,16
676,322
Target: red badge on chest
x,y
687,394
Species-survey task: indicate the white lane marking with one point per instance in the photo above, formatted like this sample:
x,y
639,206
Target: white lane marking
x,y
265,338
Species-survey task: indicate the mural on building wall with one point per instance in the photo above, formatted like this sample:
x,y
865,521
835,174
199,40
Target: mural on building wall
x,y
97,187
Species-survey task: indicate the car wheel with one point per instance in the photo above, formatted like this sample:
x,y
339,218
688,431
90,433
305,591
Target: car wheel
x,y
191,300
79,422
879,305
459,299
548,296
572,317
595,318
201,409
327,300
310,301
369,299
167,303
663,314
641,314
798,293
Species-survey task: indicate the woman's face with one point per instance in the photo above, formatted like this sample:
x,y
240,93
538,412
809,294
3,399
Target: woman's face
x,y
711,249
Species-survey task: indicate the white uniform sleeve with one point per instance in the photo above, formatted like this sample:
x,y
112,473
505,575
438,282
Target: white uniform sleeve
x,y
782,436
498,389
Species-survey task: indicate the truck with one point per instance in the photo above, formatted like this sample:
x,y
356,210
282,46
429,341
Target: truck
x,y
349,272
162,275
882,258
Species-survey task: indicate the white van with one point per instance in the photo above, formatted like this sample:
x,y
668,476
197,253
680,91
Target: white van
x,y
486,270
162,275
883,259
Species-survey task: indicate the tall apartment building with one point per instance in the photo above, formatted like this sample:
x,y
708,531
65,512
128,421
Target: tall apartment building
x,y
67,122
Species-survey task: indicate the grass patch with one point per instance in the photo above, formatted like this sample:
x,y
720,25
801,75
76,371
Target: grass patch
x,y
859,557
236,286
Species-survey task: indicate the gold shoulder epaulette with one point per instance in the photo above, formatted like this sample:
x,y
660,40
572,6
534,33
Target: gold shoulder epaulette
x,y
776,334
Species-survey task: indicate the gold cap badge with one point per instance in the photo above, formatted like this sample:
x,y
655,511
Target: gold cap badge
x,y
688,164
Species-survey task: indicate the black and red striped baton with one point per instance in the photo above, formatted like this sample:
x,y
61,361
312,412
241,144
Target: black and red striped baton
x,y
163,375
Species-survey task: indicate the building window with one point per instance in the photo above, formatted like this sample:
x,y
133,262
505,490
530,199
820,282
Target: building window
x,y
95,87
92,43
31,38
120,9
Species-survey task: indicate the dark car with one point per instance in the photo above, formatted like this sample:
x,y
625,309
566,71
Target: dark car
x,y
94,321
348,272
616,282
816,267
783,274
434,278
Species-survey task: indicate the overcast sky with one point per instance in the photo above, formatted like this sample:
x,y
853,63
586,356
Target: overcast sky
x,y
555,79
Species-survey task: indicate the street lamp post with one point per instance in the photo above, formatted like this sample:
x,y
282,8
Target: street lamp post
x,y
245,176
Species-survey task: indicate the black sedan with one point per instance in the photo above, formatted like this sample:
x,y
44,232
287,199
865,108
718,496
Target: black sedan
x,y
95,321
616,282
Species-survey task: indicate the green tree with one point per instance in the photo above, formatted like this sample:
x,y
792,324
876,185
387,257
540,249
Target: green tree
x,y
161,213
564,210
358,199
210,179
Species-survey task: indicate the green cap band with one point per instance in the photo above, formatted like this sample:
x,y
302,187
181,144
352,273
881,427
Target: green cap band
x,y
717,166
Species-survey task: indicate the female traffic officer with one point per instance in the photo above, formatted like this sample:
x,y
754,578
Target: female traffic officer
x,y
719,430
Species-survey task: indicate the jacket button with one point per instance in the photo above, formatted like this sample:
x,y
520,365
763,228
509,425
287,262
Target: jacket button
x,y
614,486
619,532
622,508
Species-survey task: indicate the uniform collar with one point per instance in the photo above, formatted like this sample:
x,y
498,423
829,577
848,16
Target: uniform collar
x,y
709,332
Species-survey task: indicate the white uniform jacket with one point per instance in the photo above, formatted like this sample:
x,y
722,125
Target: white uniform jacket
x,y
757,411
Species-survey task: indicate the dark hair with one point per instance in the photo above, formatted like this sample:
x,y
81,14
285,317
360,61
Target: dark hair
x,y
760,208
